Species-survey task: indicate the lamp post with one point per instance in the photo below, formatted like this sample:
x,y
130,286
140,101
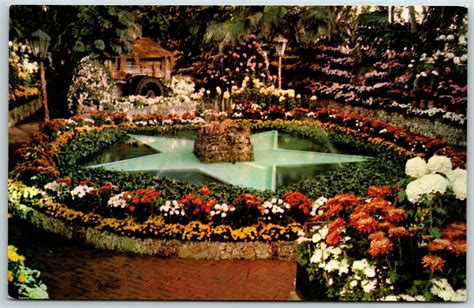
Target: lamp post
x,y
280,45
39,43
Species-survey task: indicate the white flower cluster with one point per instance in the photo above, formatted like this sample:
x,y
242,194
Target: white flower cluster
x,y
274,207
403,297
181,86
19,59
431,112
221,210
427,186
445,291
329,258
429,181
60,189
91,87
449,50
365,277
54,186
80,191
172,208
118,201
316,205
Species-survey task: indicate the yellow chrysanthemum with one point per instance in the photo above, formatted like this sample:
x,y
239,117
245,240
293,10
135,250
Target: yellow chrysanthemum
x,y
22,277
10,276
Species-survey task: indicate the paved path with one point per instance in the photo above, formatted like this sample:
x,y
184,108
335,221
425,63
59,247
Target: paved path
x,y
75,271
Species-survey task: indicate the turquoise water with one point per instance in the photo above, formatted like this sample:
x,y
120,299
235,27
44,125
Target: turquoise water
x,y
280,160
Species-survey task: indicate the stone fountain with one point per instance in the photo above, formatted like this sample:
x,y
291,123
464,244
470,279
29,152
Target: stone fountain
x,y
220,142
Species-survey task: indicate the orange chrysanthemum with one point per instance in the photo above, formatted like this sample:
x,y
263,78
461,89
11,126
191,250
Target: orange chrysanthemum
x,y
459,247
380,246
335,228
377,235
398,232
379,191
333,238
439,244
455,230
433,263
385,225
377,204
366,225
395,215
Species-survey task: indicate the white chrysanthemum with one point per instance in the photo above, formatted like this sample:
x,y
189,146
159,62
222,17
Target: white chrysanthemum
x,y
369,272
317,256
428,186
445,291
369,286
416,167
456,173
360,265
344,267
459,186
389,298
441,164
332,265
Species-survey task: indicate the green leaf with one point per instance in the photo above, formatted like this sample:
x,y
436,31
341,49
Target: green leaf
x,y
402,195
393,276
440,211
99,44
434,232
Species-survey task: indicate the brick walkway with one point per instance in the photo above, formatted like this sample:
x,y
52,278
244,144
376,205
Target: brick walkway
x,y
75,271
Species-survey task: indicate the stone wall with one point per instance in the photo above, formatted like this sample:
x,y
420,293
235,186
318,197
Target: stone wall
x,y
219,142
429,128
24,111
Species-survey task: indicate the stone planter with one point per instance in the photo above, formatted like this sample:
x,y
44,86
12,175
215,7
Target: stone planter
x,y
24,111
204,250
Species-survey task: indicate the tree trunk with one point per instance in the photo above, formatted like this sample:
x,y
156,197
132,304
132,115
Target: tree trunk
x,y
411,11
44,96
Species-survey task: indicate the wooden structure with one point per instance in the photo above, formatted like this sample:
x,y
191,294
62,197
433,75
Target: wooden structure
x,y
143,71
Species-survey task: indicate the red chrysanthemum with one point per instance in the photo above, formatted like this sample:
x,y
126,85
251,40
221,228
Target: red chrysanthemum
x,y
204,191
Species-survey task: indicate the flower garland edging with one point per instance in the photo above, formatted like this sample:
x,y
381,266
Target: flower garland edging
x,y
209,250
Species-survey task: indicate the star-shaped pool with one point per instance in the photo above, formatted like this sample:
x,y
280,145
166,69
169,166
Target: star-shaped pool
x,y
177,155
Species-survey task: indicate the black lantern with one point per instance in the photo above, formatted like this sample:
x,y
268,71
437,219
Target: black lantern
x,y
280,45
39,43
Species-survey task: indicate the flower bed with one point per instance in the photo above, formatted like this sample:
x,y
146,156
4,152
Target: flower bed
x,y
429,127
22,75
141,207
394,245
23,282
